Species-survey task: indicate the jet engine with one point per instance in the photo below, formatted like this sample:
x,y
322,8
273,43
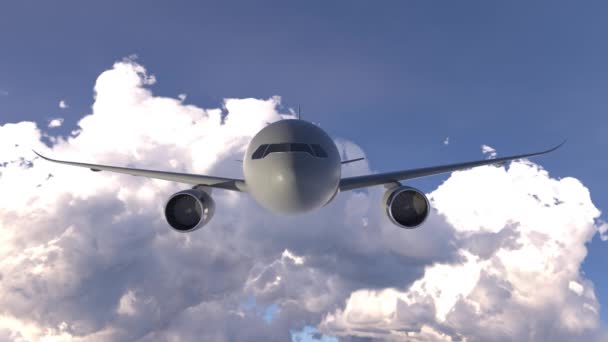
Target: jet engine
x,y
189,210
406,207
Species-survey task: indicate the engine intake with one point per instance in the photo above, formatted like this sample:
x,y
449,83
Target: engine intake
x,y
406,207
189,210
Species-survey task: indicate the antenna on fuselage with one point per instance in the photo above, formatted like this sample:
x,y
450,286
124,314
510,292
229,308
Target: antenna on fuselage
x,y
299,113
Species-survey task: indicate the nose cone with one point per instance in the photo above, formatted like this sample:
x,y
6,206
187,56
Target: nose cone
x,y
290,185
292,181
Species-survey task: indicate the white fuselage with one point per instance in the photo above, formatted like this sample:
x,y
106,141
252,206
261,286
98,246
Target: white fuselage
x,y
292,166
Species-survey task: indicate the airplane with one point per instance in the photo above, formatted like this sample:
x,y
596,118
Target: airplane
x,y
292,166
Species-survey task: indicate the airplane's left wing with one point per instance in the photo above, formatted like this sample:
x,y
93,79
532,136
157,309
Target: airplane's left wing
x,y
210,181
351,183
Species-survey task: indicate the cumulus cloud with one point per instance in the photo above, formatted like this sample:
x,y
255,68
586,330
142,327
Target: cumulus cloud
x,y
490,151
446,141
182,97
88,256
519,276
63,104
54,123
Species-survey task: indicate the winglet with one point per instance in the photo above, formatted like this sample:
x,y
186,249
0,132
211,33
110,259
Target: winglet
x,y
40,155
558,146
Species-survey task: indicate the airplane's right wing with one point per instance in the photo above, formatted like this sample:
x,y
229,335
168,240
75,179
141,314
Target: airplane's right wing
x,y
351,183
211,181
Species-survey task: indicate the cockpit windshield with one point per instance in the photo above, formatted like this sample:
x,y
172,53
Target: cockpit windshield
x,y
314,150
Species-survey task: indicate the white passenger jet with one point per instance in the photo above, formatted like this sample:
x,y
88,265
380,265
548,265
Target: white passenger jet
x,y
293,166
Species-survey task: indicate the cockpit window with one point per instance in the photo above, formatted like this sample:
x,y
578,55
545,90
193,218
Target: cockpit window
x,y
297,147
276,148
259,153
266,149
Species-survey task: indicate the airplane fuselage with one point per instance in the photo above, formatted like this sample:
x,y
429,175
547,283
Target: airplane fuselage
x,y
292,166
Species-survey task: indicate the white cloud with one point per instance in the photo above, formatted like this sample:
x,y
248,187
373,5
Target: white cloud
x,y
54,123
126,305
537,243
182,97
88,256
446,141
491,152
298,260
63,104
603,229
576,287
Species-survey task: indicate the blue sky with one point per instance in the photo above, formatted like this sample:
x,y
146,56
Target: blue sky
x,y
398,78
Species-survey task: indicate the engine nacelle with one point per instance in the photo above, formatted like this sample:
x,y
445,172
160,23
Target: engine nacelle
x,y
189,210
406,207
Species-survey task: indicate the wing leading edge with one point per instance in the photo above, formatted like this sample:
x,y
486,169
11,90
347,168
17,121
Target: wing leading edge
x,y
214,182
351,183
